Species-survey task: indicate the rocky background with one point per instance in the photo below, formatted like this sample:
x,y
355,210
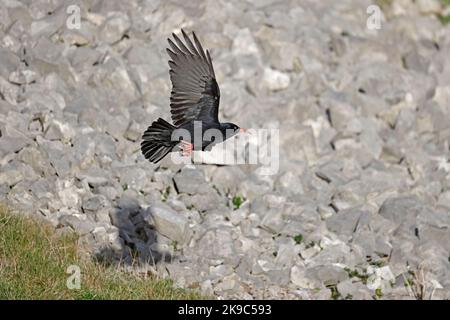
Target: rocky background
x,y
360,207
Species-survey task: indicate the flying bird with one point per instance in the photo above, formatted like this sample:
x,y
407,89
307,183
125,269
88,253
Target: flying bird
x,y
194,103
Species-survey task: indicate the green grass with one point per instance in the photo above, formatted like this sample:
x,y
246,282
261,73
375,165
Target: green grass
x,y
444,19
34,261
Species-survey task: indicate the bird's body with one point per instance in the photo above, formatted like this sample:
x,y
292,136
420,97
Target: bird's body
x,y
194,104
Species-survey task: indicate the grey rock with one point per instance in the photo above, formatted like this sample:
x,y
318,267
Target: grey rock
x,y
275,80
342,114
217,245
273,221
344,222
12,140
279,277
203,201
35,158
80,226
301,280
42,188
327,275
403,211
23,76
94,204
59,131
189,181
170,223
11,177
349,289
444,199
289,183
8,62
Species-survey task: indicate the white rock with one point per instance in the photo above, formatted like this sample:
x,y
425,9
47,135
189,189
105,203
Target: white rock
x,y
23,76
379,277
275,80
68,193
299,278
244,43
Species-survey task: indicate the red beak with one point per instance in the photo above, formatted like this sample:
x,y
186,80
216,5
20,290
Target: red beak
x,y
242,130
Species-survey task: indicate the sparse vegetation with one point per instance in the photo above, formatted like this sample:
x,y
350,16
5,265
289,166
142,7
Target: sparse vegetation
x,y
298,239
445,19
417,285
237,202
165,194
378,293
335,294
362,276
34,261
174,245
376,263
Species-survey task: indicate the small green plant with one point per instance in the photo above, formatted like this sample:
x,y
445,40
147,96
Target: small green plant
x,y
335,294
408,282
165,194
348,297
377,263
356,274
125,187
444,19
378,293
417,285
310,244
298,239
237,202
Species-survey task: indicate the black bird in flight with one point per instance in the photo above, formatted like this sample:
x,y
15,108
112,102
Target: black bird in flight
x,y
194,101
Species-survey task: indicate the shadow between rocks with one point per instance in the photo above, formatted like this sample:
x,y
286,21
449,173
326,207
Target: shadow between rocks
x,y
135,244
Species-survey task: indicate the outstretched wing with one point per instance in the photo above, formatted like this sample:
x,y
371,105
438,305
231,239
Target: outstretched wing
x,y
195,94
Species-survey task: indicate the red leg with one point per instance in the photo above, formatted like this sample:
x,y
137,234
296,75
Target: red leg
x,y
186,148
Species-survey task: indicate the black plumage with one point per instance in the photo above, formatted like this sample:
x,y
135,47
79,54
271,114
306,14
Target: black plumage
x,y
195,96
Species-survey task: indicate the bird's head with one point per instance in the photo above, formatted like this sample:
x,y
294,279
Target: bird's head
x,y
231,127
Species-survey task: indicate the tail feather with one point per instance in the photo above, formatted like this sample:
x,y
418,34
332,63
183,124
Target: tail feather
x,y
157,142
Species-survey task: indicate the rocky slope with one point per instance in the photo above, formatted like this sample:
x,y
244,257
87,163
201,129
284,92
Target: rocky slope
x,y
360,204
